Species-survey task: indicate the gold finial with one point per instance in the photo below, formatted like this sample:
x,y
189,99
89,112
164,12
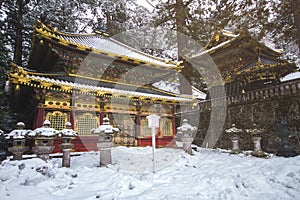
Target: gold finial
x,y
217,37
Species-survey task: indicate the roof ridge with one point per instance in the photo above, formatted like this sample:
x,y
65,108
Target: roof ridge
x,y
50,32
54,30
149,86
168,61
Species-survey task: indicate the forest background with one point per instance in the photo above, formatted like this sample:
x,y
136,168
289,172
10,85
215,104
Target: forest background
x,y
274,22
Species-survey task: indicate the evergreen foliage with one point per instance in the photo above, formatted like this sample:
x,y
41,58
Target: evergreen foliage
x,y
277,22
273,22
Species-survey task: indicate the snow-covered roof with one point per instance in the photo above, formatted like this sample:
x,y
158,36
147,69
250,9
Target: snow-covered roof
x,y
44,131
186,126
68,132
174,88
291,76
231,38
254,130
18,134
197,94
229,33
108,129
21,124
233,129
101,43
167,86
205,52
104,89
105,128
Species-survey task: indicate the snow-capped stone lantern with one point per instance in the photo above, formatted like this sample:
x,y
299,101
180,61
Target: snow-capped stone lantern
x,y
18,141
44,137
286,149
256,138
186,134
67,135
104,144
234,136
2,146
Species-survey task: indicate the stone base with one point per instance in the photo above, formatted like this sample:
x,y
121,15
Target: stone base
x,y
66,158
105,157
235,151
104,145
66,146
187,147
286,151
186,144
2,156
43,151
259,153
17,152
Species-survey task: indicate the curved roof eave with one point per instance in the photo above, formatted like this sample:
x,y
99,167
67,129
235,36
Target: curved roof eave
x,y
136,56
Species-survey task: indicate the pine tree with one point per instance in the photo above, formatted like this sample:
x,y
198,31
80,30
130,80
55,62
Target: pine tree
x,y
188,18
16,20
7,118
277,22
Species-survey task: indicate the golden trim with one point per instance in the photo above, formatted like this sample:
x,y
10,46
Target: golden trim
x,y
127,84
47,33
25,80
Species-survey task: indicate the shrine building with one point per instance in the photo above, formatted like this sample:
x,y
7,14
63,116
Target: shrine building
x,y
245,64
252,87
82,78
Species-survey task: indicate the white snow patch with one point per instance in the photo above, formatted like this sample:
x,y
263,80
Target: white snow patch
x,y
291,76
44,131
18,134
209,174
68,132
167,86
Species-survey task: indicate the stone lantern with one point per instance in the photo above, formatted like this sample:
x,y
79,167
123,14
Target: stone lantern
x,y
18,141
2,146
186,134
234,136
44,137
256,138
67,135
105,144
283,133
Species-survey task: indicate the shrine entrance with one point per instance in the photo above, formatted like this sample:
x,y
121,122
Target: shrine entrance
x,y
127,136
85,123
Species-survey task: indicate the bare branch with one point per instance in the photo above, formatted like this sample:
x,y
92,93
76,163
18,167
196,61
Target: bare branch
x,y
150,3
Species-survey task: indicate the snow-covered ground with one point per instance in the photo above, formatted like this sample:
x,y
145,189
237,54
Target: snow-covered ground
x,y
209,174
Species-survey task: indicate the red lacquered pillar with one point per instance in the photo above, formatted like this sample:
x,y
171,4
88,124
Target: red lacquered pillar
x,y
40,117
72,119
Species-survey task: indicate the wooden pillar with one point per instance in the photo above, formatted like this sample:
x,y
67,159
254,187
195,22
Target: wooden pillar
x,y
138,124
174,120
158,129
40,117
173,125
138,105
101,117
72,119
102,113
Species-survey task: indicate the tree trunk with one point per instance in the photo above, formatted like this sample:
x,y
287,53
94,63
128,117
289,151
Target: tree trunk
x,y
180,16
297,19
18,42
